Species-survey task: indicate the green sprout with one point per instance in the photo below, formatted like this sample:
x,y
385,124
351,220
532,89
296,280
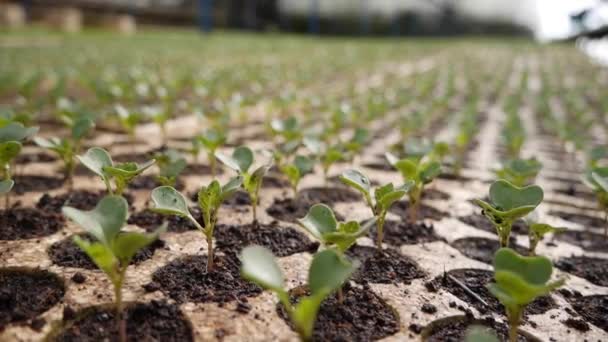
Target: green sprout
x,y
68,148
421,172
295,171
327,272
166,200
519,172
520,280
114,249
128,120
536,232
287,129
211,140
330,156
509,203
513,135
240,161
100,163
597,180
170,165
360,137
12,135
383,197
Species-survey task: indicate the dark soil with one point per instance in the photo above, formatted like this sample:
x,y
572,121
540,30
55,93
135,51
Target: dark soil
x,y
28,223
27,183
25,294
134,157
67,254
282,241
434,194
588,241
455,329
149,182
399,233
80,199
577,324
186,280
483,249
150,220
481,222
154,321
454,177
476,280
275,181
380,166
200,170
362,316
291,210
595,270
594,309
328,195
424,211
572,190
36,157
583,220
388,266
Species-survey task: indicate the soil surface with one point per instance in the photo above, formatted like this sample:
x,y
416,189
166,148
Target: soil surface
x,y
154,321
594,309
36,157
67,254
362,316
186,280
483,249
455,329
583,220
200,170
383,267
424,211
150,220
481,222
476,281
27,183
282,241
28,223
290,210
399,233
25,294
595,270
588,241
329,195
149,182
79,199
275,181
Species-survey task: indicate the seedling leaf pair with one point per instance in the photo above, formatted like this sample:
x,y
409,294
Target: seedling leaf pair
x,y
519,172
295,171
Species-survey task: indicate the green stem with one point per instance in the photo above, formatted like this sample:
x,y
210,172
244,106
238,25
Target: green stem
x,y
514,318
380,228
504,232
254,206
120,321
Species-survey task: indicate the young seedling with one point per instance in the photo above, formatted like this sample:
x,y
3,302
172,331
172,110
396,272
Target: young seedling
x,y
520,280
295,171
287,129
170,165
519,172
597,180
211,141
128,120
383,197
68,148
113,249
100,163
330,156
507,204
240,161
166,200
421,172
12,134
327,272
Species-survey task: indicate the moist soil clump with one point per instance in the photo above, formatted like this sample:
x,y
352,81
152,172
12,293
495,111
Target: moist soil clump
x,y
399,233
275,181
154,321
588,241
26,293
148,182
186,280
595,270
481,222
455,328
388,266
594,309
362,316
150,220
328,195
424,211
67,254
282,241
79,199
200,170
476,281
28,223
483,249
27,183
583,220
290,210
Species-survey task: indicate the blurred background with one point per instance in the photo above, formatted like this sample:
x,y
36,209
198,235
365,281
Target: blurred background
x,y
542,19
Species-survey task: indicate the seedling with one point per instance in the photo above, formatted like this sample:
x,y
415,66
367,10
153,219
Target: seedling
x,y
519,172
128,120
520,280
114,249
300,166
170,165
420,171
240,161
509,203
12,134
597,180
383,198
327,272
211,141
68,148
358,140
99,161
287,128
166,200
330,156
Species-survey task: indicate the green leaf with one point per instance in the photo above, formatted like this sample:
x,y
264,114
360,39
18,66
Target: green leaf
x,y
127,170
231,187
15,131
534,270
328,271
101,254
541,229
347,234
210,197
292,173
104,221
166,200
305,313
332,155
241,159
303,164
81,127
357,180
8,151
259,265
408,168
319,221
212,139
506,196
429,171
6,186
127,244
96,159
254,182
478,333
601,181
386,195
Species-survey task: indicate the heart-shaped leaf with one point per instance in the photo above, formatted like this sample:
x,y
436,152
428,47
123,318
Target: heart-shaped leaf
x,y
104,221
167,200
357,180
319,221
328,271
96,159
534,270
259,265
506,196
240,160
